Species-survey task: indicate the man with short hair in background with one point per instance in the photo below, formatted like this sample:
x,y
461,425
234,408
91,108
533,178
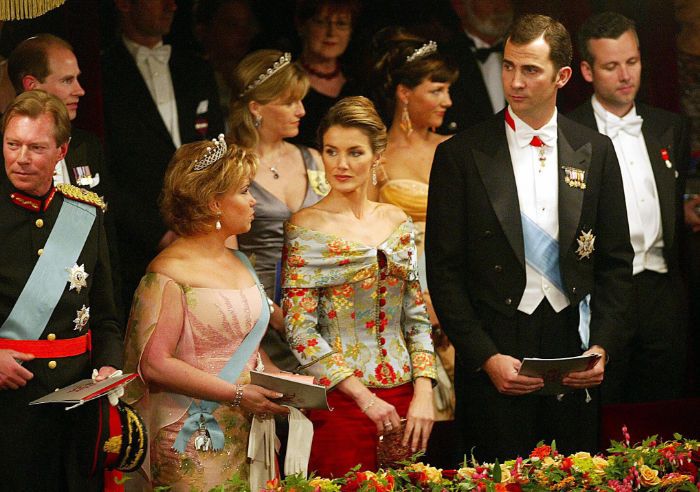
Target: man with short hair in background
x,y
653,152
156,97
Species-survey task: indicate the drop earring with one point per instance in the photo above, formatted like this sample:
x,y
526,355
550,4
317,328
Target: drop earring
x,y
406,124
258,121
218,222
374,174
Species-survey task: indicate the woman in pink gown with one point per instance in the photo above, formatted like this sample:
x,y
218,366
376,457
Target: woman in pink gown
x,y
195,315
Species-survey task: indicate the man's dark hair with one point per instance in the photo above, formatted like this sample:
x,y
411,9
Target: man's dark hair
x,y
530,27
606,25
30,57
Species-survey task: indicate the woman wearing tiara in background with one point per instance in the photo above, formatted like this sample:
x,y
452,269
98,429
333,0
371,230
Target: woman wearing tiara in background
x,y
191,313
267,111
354,310
412,82
325,28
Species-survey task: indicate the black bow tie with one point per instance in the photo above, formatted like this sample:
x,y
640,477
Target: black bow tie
x,y
483,53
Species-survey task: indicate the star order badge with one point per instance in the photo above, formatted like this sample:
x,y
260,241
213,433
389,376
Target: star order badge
x,y
82,317
585,244
77,277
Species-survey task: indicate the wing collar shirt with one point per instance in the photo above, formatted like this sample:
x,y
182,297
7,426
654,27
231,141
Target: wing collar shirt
x,y
154,68
538,195
491,73
641,197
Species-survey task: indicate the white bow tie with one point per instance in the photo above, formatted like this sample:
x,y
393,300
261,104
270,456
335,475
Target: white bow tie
x,y
631,126
160,54
548,136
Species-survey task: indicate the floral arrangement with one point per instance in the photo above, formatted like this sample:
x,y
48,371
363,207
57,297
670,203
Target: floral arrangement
x,y
651,465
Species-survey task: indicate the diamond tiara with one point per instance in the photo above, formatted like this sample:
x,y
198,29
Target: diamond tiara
x,y
212,154
284,60
425,50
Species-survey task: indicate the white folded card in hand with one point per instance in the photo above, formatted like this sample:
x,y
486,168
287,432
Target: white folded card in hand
x,y
554,370
85,390
299,391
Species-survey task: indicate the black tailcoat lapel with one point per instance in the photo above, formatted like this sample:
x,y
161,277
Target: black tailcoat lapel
x,y
570,198
664,176
496,172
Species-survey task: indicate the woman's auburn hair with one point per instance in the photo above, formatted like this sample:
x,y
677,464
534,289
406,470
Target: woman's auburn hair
x,y
187,195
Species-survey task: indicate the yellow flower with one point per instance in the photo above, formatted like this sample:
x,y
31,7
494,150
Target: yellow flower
x,y
648,476
582,455
466,472
506,476
548,461
434,474
600,465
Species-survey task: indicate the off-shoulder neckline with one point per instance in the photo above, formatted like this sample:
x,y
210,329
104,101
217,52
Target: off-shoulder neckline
x,y
254,285
353,241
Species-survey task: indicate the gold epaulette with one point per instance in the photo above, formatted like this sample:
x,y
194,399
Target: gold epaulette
x,y
81,195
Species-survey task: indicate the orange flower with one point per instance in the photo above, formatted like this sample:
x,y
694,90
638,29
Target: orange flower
x,y
296,261
337,247
309,304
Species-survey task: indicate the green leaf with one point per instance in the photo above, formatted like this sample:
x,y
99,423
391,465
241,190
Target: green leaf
x,y
496,471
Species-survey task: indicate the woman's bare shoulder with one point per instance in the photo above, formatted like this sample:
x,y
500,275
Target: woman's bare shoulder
x,y
308,217
391,213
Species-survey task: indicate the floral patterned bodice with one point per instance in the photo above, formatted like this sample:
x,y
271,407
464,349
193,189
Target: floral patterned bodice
x,y
352,309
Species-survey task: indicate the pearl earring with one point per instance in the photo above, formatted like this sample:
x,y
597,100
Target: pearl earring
x,y
218,222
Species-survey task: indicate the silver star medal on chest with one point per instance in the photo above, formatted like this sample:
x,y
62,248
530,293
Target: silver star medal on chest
x,y
585,244
77,277
81,320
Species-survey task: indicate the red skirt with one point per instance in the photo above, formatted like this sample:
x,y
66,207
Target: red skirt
x,y
345,437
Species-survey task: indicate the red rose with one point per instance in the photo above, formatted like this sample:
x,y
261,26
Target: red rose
x,y
688,468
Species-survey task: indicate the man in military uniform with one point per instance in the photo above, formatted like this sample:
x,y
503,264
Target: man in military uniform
x,y
57,313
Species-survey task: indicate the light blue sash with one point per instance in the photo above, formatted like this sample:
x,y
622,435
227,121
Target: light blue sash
x,y
542,254
202,413
47,281
541,251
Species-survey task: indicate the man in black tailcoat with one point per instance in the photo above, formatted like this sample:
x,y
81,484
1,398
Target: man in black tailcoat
x,y
156,98
525,221
653,152
478,51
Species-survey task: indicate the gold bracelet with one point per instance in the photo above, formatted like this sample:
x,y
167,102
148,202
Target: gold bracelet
x,y
369,404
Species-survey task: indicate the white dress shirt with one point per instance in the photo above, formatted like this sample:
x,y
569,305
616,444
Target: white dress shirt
x,y
154,68
491,72
538,195
641,197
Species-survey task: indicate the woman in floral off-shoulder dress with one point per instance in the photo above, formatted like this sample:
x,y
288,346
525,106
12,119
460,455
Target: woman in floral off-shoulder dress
x,y
354,310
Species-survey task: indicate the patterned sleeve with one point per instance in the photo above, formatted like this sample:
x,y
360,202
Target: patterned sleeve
x,y
315,354
417,329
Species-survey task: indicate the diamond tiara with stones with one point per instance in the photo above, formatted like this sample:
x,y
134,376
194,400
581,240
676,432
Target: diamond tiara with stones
x,y
283,61
425,50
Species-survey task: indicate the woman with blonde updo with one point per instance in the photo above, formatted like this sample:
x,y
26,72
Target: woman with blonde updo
x,y
353,305
191,313
266,111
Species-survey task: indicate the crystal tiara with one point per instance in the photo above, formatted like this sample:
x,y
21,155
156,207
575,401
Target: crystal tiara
x,y
284,60
212,154
425,50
